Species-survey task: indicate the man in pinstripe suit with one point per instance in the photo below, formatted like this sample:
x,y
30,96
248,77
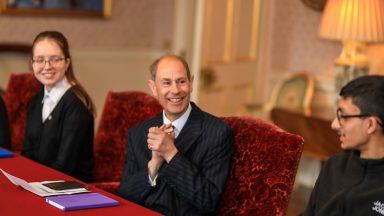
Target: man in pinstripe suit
x,y
177,162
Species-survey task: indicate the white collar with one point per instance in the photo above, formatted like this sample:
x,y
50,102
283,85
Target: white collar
x,y
57,91
180,122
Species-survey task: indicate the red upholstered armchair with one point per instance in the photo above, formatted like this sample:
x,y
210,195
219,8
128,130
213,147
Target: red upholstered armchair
x,y
20,90
263,168
122,110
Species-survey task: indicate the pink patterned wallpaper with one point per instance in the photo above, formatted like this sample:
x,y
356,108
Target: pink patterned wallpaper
x,y
294,43
295,46
134,24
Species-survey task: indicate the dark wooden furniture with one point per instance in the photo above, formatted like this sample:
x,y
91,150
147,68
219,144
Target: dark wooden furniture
x,y
15,48
320,141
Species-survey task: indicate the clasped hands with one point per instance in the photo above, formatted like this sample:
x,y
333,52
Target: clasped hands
x,y
161,142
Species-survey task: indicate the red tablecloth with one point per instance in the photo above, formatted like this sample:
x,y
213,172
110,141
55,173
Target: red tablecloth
x,y
16,201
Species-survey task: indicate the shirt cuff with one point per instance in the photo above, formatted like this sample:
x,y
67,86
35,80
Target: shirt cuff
x,y
152,182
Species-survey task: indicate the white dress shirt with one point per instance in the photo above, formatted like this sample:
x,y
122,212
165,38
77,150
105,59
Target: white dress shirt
x,y
52,97
178,125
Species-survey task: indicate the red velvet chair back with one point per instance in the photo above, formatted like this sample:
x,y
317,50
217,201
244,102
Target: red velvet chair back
x,y
20,90
122,110
263,168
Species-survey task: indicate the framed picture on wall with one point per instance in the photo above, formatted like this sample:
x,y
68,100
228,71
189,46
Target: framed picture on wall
x,y
68,8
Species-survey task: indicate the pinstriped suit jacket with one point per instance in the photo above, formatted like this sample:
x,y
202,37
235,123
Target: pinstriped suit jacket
x,y
192,182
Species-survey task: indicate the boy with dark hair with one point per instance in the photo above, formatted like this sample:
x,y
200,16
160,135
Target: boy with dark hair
x,y
352,182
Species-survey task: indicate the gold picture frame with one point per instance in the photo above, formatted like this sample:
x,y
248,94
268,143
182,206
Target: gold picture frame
x,y
66,8
317,5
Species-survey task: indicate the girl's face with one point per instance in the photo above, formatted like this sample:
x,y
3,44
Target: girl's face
x,y
48,63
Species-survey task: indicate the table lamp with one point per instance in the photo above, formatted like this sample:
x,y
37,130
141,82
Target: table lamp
x,y
355,23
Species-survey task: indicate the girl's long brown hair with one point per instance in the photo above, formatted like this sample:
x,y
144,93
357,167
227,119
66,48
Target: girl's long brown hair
x,y
77,88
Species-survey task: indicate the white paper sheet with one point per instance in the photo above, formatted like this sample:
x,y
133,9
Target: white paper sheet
x,y
37,187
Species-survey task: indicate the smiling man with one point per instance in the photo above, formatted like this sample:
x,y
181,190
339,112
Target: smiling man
x,y
177,163
352,182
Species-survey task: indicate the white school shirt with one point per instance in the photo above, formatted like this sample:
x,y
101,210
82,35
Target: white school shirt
x,y
51,98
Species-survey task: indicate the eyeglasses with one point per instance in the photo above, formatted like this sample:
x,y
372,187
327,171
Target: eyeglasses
x,y
340,117
54,61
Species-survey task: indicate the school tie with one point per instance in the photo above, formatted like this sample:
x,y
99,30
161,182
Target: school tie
x,y
47,107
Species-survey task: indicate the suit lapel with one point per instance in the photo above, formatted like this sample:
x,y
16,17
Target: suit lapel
x,y
157,121
191,130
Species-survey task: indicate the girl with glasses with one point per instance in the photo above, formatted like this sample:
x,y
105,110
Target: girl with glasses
x,y
60,119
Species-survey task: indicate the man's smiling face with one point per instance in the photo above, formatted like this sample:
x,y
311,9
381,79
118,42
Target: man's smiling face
x,y
172,87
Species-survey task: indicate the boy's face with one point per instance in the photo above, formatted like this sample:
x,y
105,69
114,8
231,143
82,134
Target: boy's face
x,y
353,131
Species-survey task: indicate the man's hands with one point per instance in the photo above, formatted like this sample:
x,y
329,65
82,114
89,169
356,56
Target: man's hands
x,y
161,142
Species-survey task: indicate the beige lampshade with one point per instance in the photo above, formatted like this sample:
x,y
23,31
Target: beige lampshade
x,y
353,20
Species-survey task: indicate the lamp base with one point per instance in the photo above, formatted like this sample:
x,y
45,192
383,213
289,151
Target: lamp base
x,y
346,73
